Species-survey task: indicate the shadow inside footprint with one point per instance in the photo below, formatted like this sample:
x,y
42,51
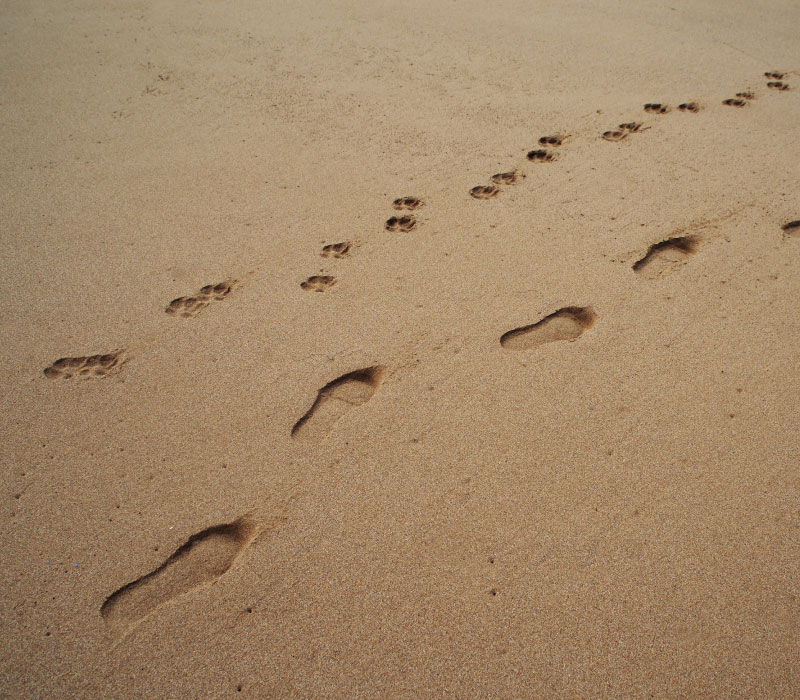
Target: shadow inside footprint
x,y
666,256
565,324
792,228
204,557
335,399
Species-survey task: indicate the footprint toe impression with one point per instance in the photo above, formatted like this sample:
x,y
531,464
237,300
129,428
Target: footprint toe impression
x,y
400,223
335,399
318,283
666,256
567,323
484,192
204,557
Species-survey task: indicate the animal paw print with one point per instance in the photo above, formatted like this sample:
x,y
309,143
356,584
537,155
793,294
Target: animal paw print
x,y
336,250
730,102
92,366
541,156
656,108
409,203
777,85
689,107
484,192
747,95
775,75
400,223
318,283
555,140
510,178
622,131
191,306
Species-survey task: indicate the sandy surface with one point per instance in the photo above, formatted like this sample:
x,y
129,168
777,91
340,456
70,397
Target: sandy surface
x,y
510,447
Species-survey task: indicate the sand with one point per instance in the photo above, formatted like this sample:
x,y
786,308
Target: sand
x,y
269,434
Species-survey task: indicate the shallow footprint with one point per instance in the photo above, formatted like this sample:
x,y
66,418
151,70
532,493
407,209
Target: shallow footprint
x,y
409,203
91,366
484,192
656,108
777,85
400,223
193,305
335,399
204,557
510,178
565,324
336,250
541,156
689,107
730,102
792,228
666,256
318,283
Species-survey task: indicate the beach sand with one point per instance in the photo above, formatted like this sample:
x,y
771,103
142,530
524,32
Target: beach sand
x,y
538,439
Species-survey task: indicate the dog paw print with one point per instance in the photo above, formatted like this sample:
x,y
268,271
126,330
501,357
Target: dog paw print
x,y
318,283
193,305
777,85
775,75
689,107
510,178
614,135
541,156
731,102
555,140
747,95
631,127
484,192
409,203
400,223
336,250
656,108
91,366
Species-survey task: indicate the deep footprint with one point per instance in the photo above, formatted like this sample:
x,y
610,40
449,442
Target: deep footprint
x,y
335,399
666,256
91,366
565,324
193,305
204,557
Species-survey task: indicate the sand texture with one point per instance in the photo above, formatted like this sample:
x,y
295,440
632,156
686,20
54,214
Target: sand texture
x,y
400,350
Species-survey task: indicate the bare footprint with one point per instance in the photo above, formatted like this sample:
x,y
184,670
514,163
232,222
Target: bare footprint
x,y
335,399
318,283
91,366
666,256
191,306
204,557
336,250
792,228
400,223
565,324
510,178
484,192
409,203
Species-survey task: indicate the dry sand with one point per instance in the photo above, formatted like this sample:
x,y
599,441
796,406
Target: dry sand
x,y
320,472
